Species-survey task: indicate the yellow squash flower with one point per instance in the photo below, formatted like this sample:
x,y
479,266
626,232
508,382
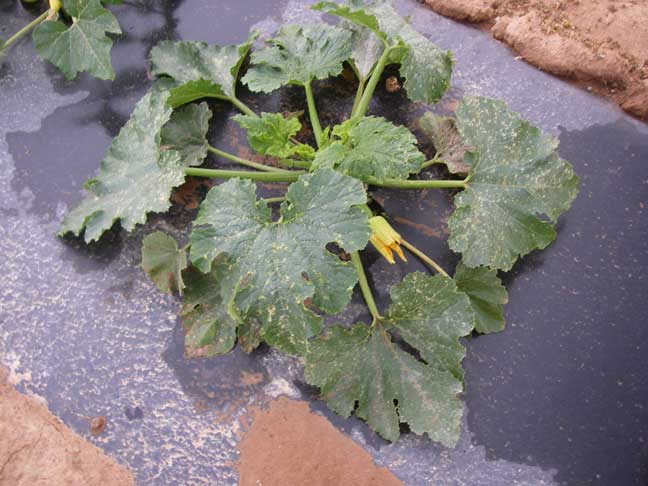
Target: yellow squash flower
x,y
55,5
385,239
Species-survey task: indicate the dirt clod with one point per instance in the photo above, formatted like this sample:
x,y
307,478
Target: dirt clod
x,y
597,43
288,445
37,449
97,425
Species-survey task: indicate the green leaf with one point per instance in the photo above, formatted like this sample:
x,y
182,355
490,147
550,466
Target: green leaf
x,y
426,68
515,176
367,43
82,46
163,262
199,70
364,365
372,147
186,133
298,55
442,130
487,296
209,329
278,265
352,13
135,177
271,133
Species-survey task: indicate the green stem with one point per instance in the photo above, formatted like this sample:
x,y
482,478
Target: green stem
x,y
361,109
284,176
312,112
290,163
358,95
243,107
432,162
239,160
426,259
364,286
269,200
417,184
25,30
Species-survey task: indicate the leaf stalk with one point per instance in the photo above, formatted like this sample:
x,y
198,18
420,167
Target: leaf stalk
x,y
24,30
312,113
424,258
358,95
418,184
283,176
363,105
239,160
432,161
242,106
364,286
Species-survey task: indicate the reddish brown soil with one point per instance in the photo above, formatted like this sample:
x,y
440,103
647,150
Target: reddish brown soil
x,y
36,449
287,445
601,44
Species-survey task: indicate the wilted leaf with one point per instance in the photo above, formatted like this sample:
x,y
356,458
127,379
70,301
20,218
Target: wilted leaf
x,y
515,176
364,366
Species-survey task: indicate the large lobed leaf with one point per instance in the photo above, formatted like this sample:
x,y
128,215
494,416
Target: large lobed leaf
x,y
298,55
426,68
82,46
372,147
144,163
135,177
515,175
199,70
363,369
278,265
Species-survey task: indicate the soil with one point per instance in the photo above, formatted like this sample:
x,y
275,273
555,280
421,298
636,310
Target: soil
x,y
288,445
601,44
37,449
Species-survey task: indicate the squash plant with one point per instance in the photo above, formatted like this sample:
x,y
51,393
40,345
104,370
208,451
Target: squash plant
x,y
268,270
73,35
